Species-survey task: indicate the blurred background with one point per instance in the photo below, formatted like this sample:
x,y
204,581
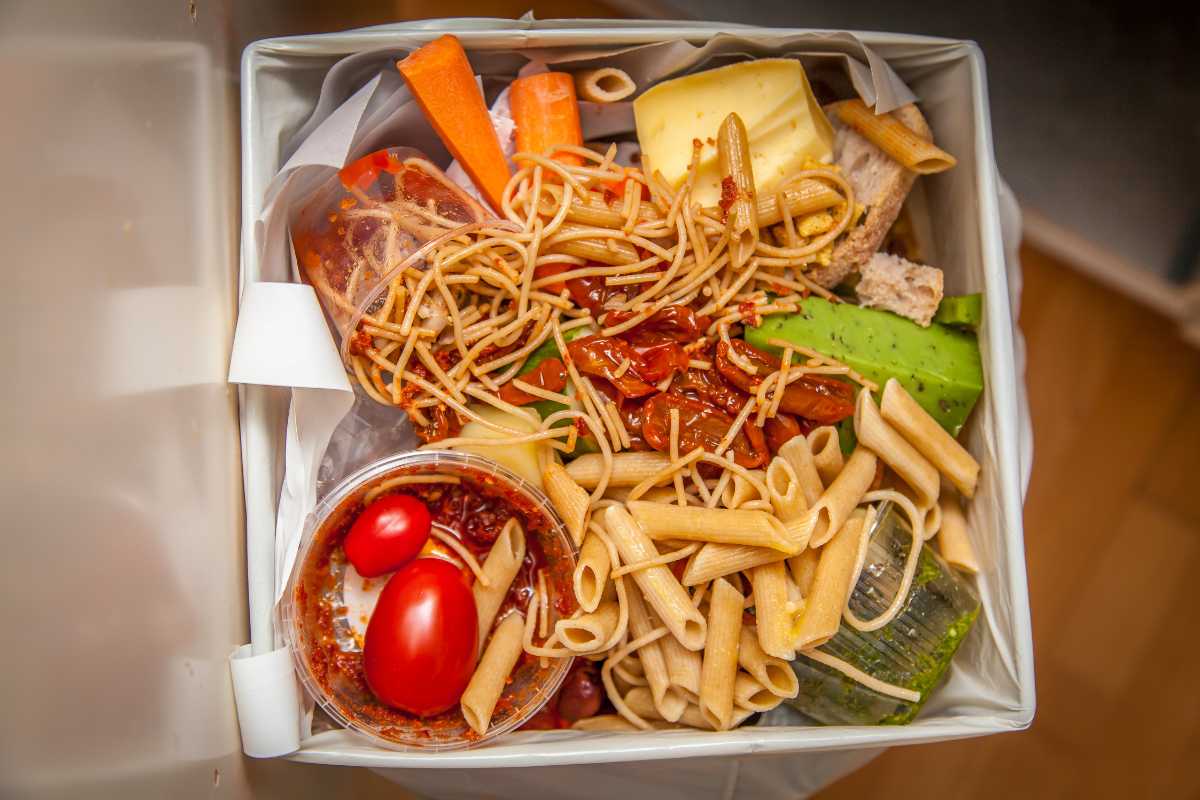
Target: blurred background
x,y
121,228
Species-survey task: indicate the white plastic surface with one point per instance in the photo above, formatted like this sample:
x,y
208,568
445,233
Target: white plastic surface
x,y
991,687
268,701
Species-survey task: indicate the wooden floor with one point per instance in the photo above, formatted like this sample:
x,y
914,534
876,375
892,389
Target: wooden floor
x,y
1112,540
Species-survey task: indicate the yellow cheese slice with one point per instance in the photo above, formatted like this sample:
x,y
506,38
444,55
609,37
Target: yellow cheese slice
x,y
783,120
520,458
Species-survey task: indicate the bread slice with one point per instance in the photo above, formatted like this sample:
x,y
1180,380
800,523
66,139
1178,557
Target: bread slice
x,y
879,183
898,285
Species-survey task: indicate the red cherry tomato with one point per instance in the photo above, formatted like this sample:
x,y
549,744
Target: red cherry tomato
x,y
388,534
419,651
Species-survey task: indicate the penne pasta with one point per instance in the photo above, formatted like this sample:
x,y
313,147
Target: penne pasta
x,y
804,568
784,490
803,197
894,138
569,499
716,560
629,469
881,439
683,666
831,586
933,519
772,673
659,586
572,240
752,695
587,633
479,698
826,449
701,524
737,190
669,701
953,541
825,518
772,619
604,85
591,573
929,438
718,669
604,722
501,566
659,494
740,490
641,703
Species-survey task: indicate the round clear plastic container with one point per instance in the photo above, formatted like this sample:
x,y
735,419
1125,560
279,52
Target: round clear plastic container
x,y
327,652
371,220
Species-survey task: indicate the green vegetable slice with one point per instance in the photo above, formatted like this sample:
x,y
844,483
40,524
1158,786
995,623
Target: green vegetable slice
x,y
964,311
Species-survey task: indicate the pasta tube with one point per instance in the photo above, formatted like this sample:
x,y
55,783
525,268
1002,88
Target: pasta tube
x,y
831,586
572,240
803,197
752,695
628,469
659,494
953,542
501,566
803,568
784,490
772,673
929,438
876,435
826,453
719,667
894,138
737,190
715,560
669,701
585,633
701,524
591,573
480,697
658,584
604,85
825,518
641,703
569,499
604,722
740,491
683,666
774,622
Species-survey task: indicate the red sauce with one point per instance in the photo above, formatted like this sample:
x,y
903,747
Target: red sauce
x,y
729,193
475,510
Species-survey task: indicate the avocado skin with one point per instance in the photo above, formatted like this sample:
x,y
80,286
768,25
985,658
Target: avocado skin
x,y
939,366
964,311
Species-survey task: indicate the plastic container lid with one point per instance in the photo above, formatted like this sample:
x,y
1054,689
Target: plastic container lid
x,y
314,615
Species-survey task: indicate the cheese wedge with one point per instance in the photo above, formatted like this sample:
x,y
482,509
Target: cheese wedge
x,y
784,122
520,458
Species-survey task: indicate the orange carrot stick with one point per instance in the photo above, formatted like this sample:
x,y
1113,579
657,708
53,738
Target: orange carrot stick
x,y
547,114
442,81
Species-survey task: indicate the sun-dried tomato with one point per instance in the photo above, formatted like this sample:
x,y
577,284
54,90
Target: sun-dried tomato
x,y
550,375
817,397
700,425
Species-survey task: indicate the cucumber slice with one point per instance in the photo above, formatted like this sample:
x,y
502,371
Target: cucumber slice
x,y
913,651
964,311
